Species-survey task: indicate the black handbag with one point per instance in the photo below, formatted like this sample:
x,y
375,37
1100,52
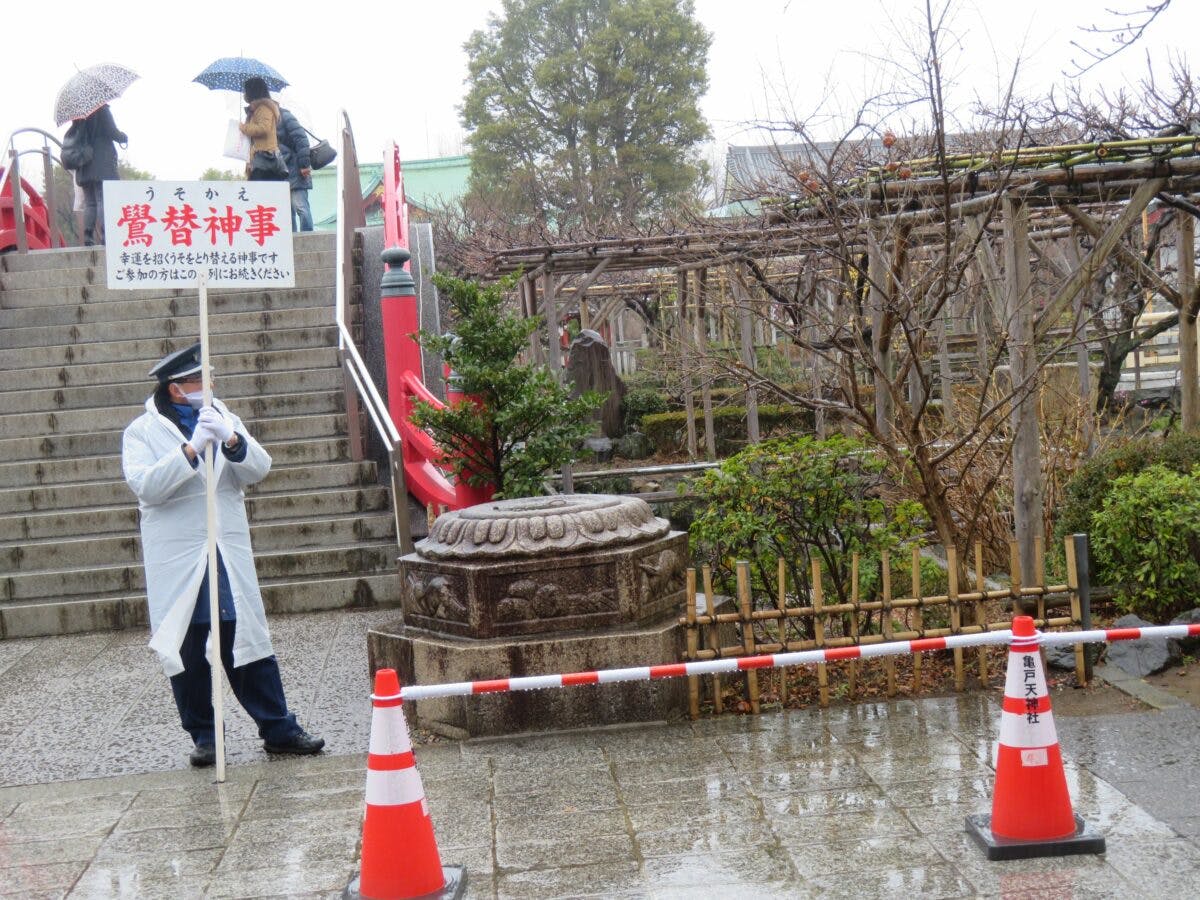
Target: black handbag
x,y
320,154
268,165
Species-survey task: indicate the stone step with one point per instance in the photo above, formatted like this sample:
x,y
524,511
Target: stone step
x,y
133,394
123,518
252,410
103,443
98,293
172,329
137,371
282,479
290,534
97,275
108,468
184,308
153,349
81,257
128,576
124,610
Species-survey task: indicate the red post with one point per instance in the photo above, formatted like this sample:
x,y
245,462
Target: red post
x,y
401,322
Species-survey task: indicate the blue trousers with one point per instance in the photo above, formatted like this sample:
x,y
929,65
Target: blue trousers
x,y
256,685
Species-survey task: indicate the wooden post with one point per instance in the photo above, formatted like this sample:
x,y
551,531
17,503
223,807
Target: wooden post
x,y
1083,368
714,635
743,588
781,603
818,600
1027,461
1189,388
945,377
690,614
48,192
877,275
1076,612
701,336
531,305
689,402
960,676
747,336
554,352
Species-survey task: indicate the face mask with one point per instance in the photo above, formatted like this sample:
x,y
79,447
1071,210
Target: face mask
x,y
195,399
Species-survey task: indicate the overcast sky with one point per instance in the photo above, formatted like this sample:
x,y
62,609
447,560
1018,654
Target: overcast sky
x,y
398,68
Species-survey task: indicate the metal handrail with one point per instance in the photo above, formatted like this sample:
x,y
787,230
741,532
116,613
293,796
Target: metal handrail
x,y
48,160
357,377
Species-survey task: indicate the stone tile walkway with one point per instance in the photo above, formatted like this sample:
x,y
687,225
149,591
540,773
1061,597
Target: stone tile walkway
x,y
864,801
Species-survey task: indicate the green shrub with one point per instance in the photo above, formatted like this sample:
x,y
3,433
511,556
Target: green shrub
x,y
1147,537
668,430
797,499
639,402
1085,493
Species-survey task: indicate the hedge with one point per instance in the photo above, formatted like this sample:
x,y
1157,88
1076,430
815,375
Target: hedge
x,y
668,431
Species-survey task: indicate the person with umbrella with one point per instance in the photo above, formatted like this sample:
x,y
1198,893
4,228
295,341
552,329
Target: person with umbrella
x,y
84,98
160,458
262,122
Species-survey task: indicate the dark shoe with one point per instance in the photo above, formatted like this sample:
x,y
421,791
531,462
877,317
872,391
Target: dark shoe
x,y
301,744
203,756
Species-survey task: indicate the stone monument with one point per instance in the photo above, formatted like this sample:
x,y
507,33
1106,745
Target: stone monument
x,y
540,586
590,368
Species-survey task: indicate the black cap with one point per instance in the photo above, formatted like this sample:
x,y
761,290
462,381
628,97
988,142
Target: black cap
x,y
176,365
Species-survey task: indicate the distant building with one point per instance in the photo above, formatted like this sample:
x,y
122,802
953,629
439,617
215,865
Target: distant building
x,y
428,185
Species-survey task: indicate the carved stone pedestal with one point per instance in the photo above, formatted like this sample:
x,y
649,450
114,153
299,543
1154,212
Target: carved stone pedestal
x,y
540,586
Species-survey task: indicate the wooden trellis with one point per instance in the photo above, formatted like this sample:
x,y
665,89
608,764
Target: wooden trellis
x,y
761,628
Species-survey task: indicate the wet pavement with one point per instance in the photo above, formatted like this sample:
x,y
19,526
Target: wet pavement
x,y
862,801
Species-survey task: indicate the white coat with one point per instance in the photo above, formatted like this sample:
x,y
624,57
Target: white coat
x,y
171,499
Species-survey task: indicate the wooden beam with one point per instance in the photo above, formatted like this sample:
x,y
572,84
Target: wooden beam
x,y
701,336
742,296
1128,258
689,402
1096,258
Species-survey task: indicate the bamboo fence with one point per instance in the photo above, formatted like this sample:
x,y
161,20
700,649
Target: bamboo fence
x,y
761,628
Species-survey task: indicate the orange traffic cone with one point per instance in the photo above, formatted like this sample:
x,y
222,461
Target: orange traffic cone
x,y
400,858
1031,807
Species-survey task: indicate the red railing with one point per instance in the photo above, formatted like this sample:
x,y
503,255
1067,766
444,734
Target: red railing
x,y
424,461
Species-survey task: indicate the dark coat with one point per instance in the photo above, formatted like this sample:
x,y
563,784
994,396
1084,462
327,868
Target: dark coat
x,y
293,144
102,131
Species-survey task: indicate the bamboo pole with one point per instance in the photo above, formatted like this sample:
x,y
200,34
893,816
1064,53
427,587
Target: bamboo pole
x,y
781,602
818,600
889,664
701,343
960,678
1076,610
693,680
743,588
918,615
980,609
714,636
689,402
854,601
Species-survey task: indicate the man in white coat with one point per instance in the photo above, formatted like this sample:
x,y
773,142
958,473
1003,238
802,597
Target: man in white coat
x,y
161,454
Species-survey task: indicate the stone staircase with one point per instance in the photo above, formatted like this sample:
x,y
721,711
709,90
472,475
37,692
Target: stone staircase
x,y
73,364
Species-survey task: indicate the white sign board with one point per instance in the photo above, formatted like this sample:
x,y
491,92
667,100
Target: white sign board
x,y
168,233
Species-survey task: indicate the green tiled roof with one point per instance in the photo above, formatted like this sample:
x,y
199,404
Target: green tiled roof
x,y
428,183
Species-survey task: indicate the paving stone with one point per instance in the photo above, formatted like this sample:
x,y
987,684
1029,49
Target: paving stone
x,y
551,852
595,880
927,882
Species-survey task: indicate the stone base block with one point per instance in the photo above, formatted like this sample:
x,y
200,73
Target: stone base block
x,y
423,657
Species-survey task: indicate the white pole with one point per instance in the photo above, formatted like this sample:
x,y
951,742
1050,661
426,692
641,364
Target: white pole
x,y
210,491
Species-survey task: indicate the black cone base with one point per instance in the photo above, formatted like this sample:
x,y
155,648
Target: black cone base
x,y
456,886
1085,840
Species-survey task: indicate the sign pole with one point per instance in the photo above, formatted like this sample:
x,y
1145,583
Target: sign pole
x,y
210,491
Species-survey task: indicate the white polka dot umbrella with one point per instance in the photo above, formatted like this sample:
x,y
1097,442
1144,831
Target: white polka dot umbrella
x,y
89,89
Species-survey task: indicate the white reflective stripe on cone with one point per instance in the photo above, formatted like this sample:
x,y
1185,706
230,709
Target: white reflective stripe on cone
x,y
394,788
389,733
1017,731
1015,683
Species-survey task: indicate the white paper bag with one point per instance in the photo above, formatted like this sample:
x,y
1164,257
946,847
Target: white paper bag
x,y
237,145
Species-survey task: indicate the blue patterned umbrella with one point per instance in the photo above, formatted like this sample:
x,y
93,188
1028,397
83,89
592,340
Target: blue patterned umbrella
x,y
230,73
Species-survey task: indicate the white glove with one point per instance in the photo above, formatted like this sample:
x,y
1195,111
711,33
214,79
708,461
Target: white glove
x,y
217,424
202,436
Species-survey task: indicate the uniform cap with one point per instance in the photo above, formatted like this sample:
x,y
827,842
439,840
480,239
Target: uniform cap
x,y
176,365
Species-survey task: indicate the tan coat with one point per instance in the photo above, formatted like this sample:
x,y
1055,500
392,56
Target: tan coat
x,y
264,117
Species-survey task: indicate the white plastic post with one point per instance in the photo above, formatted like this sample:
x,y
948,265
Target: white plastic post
x,y
210,491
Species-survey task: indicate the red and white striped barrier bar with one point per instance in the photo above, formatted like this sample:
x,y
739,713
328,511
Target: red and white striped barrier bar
x,y
779,660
